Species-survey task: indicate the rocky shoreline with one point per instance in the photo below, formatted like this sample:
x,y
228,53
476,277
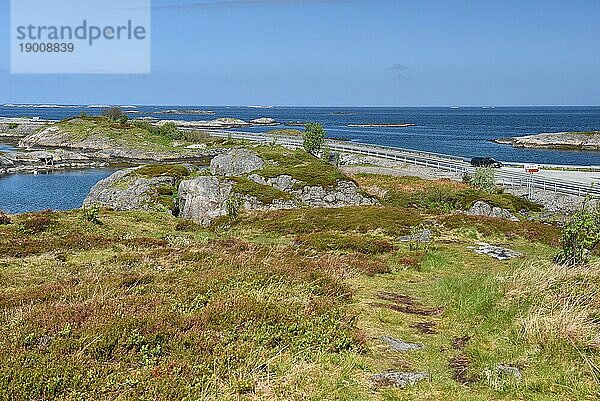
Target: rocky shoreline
x,y
560,140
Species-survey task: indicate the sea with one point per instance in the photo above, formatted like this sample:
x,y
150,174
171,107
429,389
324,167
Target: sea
x,y
459,131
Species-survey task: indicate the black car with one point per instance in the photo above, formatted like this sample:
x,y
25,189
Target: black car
x,y
485,162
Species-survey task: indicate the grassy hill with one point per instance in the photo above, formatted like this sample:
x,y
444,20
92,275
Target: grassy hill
x,y
291,305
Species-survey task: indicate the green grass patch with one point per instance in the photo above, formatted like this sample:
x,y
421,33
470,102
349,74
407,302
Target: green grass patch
x,y
300,166
263,193
332,241
439,195
162,170
362,219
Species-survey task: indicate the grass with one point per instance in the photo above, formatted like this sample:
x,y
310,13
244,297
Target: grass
x,y
298,164
290,305
438,195
332,241
217,323
361,219
162,170
265,194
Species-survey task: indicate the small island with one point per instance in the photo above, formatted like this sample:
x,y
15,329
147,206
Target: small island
x,y
401,125
584,140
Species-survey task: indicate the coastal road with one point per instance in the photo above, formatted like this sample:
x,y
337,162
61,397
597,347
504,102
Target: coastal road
x,y
577,183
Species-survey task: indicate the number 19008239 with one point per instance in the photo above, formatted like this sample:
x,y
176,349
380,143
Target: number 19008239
x,y
47,47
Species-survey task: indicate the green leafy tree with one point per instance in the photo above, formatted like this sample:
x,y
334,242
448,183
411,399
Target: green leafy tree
x,y
580,236
313,138
484,178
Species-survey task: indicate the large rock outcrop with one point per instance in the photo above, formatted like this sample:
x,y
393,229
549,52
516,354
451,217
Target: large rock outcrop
x,y
204,198
101,144
147,188
481,208
232,188
236,162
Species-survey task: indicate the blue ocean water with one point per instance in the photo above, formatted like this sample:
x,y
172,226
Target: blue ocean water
x,y
465,131
65,190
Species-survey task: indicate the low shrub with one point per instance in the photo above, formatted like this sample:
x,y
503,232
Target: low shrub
x,y
580,236
90,214
345,242
187,225
530,230
36,223
4,218
13,125
362,219
114,114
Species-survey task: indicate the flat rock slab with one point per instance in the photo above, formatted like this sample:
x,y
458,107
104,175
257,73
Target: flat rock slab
x,y
399,345
496,252
398,379
510,370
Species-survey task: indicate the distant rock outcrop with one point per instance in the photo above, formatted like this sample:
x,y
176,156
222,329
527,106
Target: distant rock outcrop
x,y
20,127
264,121
559,140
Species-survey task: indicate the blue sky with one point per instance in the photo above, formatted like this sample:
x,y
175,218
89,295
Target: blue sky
x,y
327,52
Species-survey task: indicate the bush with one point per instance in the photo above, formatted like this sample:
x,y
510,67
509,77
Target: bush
x,y
187,225
114,114
90,214
580,236
36,223
13,126
313,138
170,131
484,179
328,241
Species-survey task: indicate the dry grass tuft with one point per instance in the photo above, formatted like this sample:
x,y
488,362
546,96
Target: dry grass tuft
x,y
564,303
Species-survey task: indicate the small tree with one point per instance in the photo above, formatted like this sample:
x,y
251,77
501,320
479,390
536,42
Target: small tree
x,y
313,138
114,114
484,179
580,236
